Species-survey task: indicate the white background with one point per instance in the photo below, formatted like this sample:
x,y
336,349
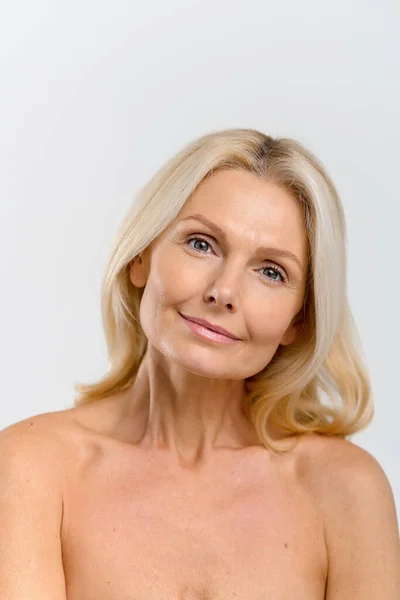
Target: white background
x,y
95,96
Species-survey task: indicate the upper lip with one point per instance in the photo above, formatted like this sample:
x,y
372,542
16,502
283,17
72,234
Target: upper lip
x,y
211,326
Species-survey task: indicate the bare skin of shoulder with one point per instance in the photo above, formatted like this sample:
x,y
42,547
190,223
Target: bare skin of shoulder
x,y
138,527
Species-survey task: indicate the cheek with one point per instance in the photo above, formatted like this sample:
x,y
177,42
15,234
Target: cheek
x,y
166,285
177,278
269,323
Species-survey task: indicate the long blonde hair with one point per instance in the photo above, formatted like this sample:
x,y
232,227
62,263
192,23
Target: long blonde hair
x,y
320,382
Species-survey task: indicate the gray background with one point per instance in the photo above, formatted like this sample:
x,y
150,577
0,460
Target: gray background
x,y
95,96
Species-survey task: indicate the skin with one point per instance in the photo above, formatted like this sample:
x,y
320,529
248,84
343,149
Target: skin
x,y
189,392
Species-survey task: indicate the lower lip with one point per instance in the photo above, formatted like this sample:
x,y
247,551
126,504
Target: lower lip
x,y
207,334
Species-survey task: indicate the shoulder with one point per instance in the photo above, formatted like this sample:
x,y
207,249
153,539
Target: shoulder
x,y
31,474
338,471
42,442
329,460
33,480
64,440
359,514
47,427
38,431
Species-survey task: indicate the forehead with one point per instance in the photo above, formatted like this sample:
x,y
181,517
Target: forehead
x,y
243,204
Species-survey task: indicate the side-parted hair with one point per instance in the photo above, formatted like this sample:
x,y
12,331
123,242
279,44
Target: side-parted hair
x,y
320,382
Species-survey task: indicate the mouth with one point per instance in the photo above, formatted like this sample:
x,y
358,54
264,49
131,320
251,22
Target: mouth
x,y
209,331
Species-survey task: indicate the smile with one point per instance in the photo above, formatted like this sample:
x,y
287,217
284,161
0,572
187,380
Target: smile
x,y
207,334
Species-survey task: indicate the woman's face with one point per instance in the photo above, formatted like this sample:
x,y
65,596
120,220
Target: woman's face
x,y
224,277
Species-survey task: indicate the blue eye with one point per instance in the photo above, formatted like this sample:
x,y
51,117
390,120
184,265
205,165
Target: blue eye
x,y
201,239
274,268
276,271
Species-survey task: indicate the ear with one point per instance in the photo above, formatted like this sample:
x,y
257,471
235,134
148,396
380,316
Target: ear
x,y
289,336
137,272
292,331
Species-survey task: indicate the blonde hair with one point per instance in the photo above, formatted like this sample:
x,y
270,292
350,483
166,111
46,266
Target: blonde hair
x,y
317,384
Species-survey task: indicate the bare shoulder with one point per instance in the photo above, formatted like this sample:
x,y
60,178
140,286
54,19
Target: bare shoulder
x,y
333,465
66,439
47,440
338,471
35,460
48,427
41,430
359,514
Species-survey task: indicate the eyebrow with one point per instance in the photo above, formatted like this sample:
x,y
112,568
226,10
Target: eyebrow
x,y
269,250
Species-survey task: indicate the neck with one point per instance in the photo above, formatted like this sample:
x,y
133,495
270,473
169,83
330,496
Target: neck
x,y
187,415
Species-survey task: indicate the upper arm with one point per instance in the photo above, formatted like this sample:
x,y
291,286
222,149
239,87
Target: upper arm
x,y
361,529
30,517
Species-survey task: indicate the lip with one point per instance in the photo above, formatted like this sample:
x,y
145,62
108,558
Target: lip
x,y
210,326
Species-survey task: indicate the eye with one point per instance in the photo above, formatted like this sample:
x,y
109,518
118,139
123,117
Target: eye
x,y
198,238
275,269
272,268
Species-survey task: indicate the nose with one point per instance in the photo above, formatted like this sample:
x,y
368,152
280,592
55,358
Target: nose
x,y
224,291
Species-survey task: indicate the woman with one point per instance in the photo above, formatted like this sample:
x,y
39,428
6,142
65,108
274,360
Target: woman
x,y
211,461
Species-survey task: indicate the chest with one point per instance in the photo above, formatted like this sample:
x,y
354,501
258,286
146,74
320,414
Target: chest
x,y
140,532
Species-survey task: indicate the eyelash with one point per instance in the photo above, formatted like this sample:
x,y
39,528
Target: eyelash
x,y
274,266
